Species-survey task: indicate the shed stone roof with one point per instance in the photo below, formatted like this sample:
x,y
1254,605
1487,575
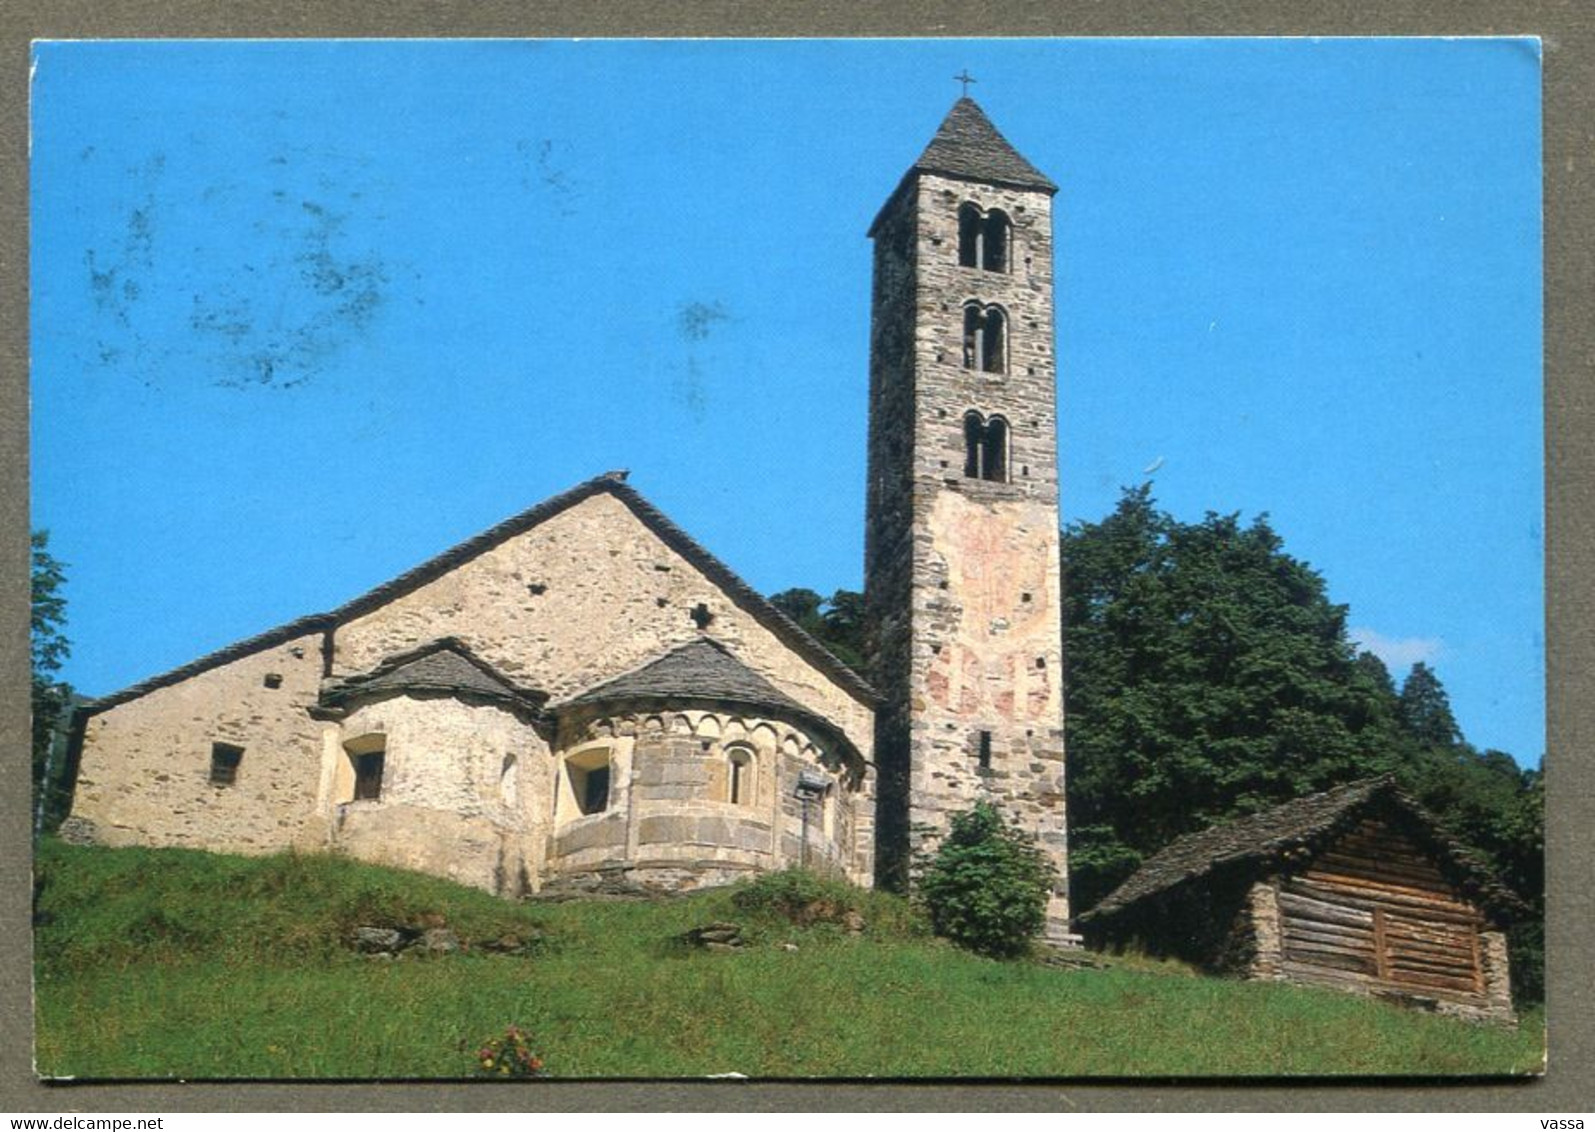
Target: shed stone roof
x,y
1305,822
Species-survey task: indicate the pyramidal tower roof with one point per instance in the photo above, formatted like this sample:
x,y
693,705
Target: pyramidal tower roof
x,y
967,145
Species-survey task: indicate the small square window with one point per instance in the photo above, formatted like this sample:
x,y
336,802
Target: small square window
x,y
368,776
588,773
224,760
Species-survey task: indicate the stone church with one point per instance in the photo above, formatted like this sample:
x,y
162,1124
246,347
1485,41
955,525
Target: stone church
x,y
584,696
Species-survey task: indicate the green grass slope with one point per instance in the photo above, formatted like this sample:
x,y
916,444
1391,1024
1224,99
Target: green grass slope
x,y
170,963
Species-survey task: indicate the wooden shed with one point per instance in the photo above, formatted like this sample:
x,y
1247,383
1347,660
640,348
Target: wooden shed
x,y
1356,889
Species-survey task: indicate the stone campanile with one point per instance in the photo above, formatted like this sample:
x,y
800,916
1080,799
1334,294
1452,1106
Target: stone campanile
x,y
961,546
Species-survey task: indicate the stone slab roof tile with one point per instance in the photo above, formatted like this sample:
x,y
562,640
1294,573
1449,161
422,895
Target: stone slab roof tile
x,y
701,669
967,145
705,671
614,483
443,666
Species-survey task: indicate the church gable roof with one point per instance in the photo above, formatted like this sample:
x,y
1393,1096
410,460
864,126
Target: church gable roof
x,y
1303,823
444,666
611,483
967,145
615,485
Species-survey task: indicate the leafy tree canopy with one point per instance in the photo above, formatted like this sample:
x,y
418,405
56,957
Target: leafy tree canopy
x,y
1208,675
50,646
1424,709
49,697
837,622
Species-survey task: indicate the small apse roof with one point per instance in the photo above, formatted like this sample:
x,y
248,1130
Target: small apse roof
x,y
443,667
705,672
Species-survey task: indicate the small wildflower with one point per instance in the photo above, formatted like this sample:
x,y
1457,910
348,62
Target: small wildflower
x,y
510,1055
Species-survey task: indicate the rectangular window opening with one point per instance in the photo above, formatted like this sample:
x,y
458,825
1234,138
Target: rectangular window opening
x,y
589,777
985,750
368,776
595,790
224,760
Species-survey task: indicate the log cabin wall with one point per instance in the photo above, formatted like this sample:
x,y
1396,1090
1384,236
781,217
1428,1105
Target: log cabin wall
x,y
1372,912
1206,925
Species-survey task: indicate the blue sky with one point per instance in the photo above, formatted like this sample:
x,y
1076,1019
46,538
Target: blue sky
x,y
304,314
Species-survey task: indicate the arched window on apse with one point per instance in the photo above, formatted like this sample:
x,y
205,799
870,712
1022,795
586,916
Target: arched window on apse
x,y
739,776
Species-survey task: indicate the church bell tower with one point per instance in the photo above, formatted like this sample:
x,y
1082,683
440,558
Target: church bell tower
x,y
961,545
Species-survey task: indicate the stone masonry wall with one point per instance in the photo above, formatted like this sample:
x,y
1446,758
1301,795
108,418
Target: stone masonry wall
x,y
583,596
1497,978
1264,930
586,595
466,791
984,632
889,532
669,809
144,769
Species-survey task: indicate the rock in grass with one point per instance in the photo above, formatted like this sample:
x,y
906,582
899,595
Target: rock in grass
x,y
438,941
371,940
718,936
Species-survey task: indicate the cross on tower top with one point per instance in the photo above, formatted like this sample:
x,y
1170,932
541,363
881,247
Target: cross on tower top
x,y
966,78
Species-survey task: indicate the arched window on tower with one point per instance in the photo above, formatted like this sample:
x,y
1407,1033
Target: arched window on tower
x,y
974,440
994,456
982,238
970,235
995,242
985,338
985,448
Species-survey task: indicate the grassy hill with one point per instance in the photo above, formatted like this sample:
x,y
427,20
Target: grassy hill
x,y
172,963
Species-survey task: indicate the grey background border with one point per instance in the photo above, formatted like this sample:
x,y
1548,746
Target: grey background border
x,y
1569,125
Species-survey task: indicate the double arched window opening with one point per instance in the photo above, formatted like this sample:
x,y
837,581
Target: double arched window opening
x,y
985,448
985,338
983,238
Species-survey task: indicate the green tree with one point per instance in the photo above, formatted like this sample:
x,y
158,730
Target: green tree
x,y
986,886
50,697
1208,675
801,605
1425,710
1378,675
837,622
1483,799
